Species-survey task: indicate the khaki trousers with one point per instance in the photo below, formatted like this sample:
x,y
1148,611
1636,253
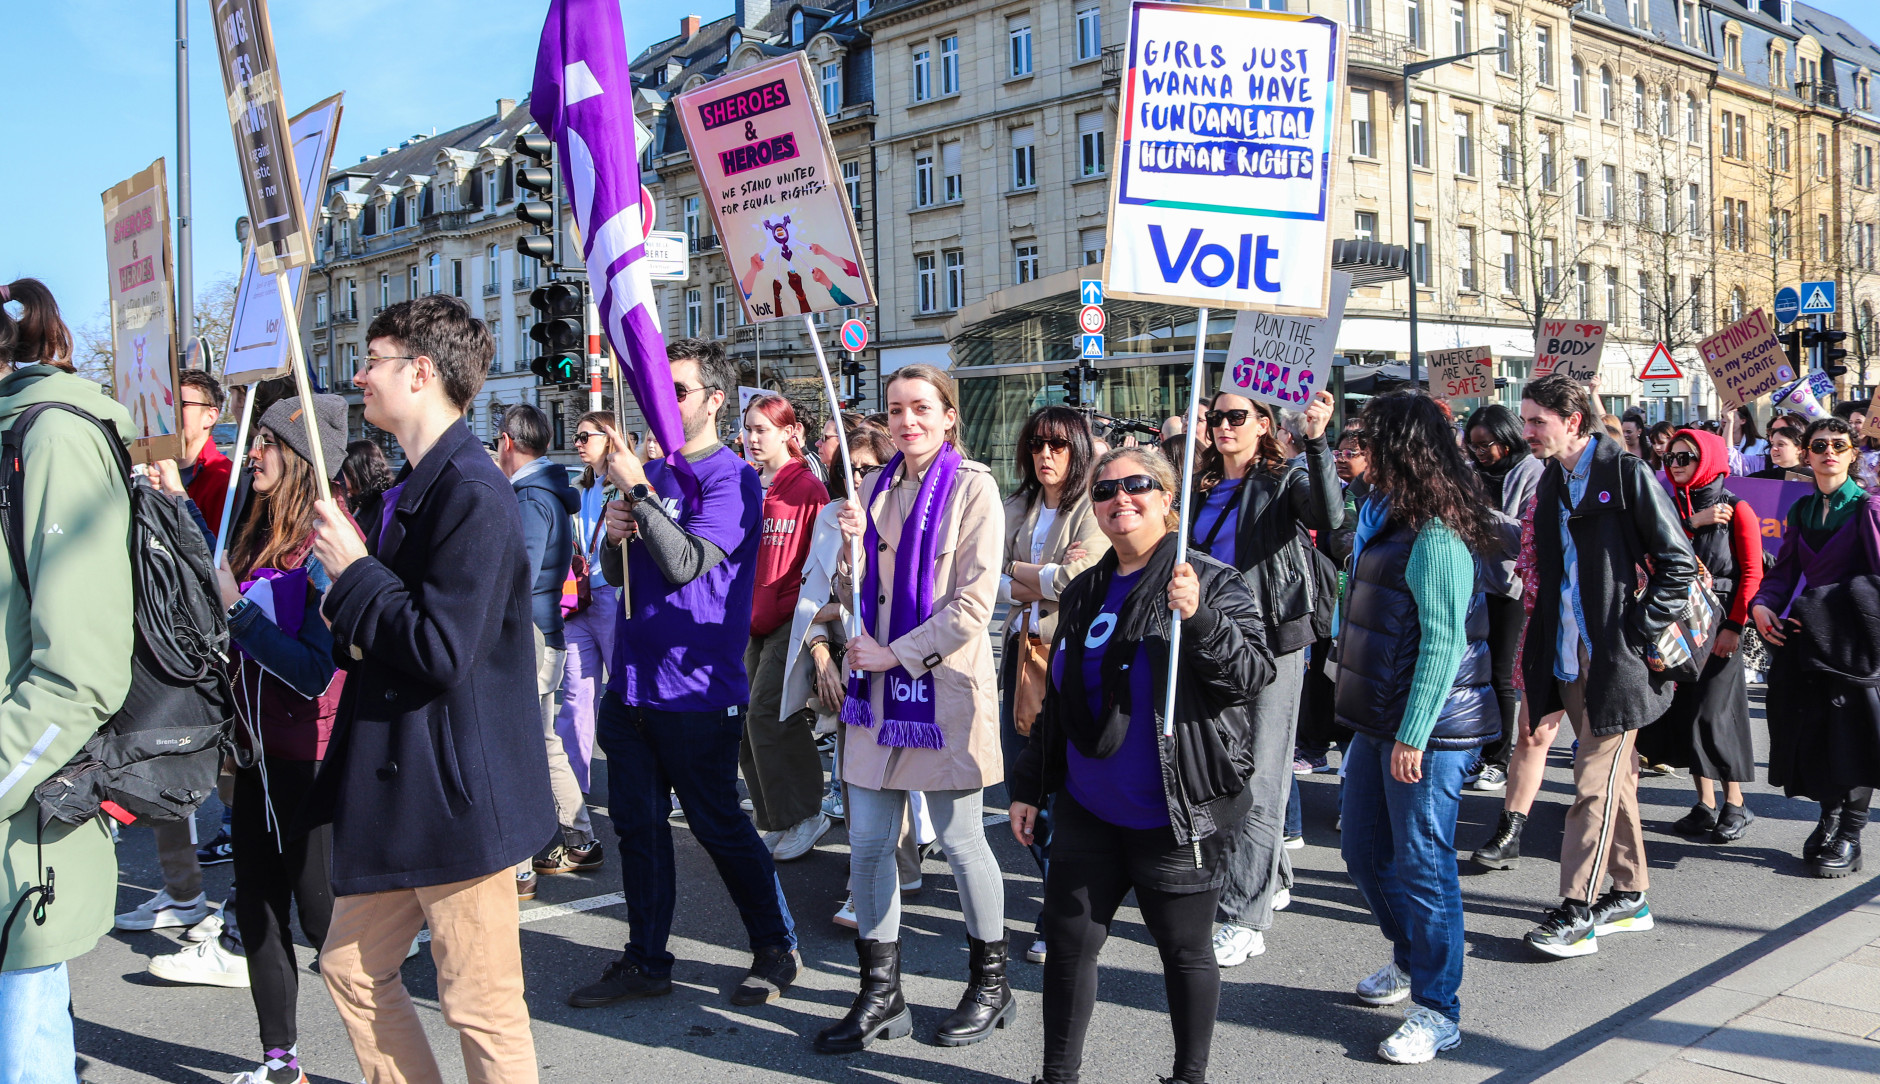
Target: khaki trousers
x,y
475,943
1604,834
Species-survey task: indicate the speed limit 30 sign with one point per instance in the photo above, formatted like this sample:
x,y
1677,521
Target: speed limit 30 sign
x,y
1091,319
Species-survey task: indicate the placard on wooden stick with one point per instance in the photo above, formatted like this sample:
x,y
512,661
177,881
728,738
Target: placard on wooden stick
x,y
143,312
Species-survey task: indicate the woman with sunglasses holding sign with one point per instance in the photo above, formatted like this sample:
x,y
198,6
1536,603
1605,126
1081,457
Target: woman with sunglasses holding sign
x,y
1135,810
1253,511
1051,536
1816,610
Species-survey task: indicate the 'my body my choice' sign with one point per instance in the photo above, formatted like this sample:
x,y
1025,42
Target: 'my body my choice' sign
x,y
1224,156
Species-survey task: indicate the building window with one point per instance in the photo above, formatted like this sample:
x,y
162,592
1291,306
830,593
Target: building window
x,y
456,278
1364,225
1727,142
1024,161
950,64
923,75
1821,236
721,310
1579,187
1420,258
1510,269
1638,103
1504,61
1413,23
1091,146
320,317
1544,53
1361,143
1612,295
1465,257
1733,52
1742,136
1504,135
1693,123
1092,242
1609,191
1465,144
1778,67
434,273
492,265
1018,34
956,278
952,173
490,199
1782,149
1635,11
1786,230
1583,290
411,210
832,89
852,180
694,313
923,179
385,290
1687,22
1641,185
1089,32
689,214
1419,135
1550,276
1459,24
1697,303
927,282
1358,14
1821,156
411,281
1645,296
525,270
1550,175
1577,72
1664,112
1737,304
1024,261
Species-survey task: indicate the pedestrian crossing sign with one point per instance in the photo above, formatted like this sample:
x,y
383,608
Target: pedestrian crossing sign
x,y
1090,347
1817,297
1661,366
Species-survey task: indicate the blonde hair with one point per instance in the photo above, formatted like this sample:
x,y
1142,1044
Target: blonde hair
x,y
1155,465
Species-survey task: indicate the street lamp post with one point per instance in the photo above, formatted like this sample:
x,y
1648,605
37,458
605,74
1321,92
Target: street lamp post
x,y
1411,71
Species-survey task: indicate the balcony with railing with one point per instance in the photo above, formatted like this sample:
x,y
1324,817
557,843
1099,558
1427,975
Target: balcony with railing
x,y
346,316
1112,64
1377,50
491,289
522,284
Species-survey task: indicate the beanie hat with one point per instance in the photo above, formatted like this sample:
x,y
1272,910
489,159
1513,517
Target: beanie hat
x,y
329,412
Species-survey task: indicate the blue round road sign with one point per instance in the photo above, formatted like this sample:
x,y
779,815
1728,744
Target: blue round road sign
x,y
855,334
1788,304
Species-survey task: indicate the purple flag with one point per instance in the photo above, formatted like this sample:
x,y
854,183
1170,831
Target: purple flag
x,y
584,102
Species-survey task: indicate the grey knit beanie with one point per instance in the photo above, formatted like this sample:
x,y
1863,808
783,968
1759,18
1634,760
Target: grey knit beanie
x,y
329,413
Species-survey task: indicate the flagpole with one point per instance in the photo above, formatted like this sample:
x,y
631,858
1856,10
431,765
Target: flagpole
x,y
848,473
1181,525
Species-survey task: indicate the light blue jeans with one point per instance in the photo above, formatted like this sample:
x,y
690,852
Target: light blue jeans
x,y
36,1027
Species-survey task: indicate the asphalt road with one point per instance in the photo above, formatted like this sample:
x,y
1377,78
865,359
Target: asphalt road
x,y
1286,1016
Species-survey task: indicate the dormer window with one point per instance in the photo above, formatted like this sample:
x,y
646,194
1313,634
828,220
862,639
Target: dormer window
x,y
732,42
796,27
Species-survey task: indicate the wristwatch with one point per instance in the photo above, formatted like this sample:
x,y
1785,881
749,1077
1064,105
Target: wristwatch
x,y
640,492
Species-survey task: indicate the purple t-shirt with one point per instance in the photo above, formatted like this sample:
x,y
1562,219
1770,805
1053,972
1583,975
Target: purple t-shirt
x,y
682,648
1125,788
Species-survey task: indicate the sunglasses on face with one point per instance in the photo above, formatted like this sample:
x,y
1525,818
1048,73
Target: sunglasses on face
x,y
584,436
1039,444
682,393
1823,447
1235,418
1135,485
1682,459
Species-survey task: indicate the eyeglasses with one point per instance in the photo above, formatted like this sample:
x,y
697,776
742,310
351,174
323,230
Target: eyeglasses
x,y
205,406
1823,447
1039,444
1348,453
1235,418
585,435
1682,459
373,361
1135,485
262,440
682,393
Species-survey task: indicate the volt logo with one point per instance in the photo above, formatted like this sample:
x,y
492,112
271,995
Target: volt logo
x,y
1213,264
1100,630
907,692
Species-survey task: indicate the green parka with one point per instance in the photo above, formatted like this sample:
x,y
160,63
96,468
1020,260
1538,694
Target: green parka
x,y
66,657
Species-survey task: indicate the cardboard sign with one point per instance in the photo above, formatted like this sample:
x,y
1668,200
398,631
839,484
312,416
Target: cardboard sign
x,y
257,347
1224,158
1770,498
1870,426
1466,372
1746,361
761,147
258,117
1570,346
143,312
1284,359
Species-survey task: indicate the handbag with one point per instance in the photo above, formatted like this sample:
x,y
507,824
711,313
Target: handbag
x,y
1034,664
577,591
1679,648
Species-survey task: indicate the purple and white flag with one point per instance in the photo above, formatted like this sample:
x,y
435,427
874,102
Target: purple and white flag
x,y
583,100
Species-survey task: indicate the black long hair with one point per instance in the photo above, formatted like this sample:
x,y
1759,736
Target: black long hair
x,y
1211,465
1503,428
1417,466
1062,423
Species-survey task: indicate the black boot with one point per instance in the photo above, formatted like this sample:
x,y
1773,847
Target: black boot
x,y
987,1003
1817,840
1503,849
1842,854
879,1011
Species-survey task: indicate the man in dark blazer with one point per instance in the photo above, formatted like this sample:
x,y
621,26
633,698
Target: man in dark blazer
x,y
436,779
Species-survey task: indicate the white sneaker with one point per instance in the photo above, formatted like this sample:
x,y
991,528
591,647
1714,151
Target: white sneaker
x,y
1424,1034
209,928
1233,943
161,912
845,915
207,964
800,838
259,1075
1282,899
677,813
770,840
1386,986
747,805
1036,953
1295,843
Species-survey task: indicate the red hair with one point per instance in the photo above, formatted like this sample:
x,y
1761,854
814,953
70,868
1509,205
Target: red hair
x,y
779,413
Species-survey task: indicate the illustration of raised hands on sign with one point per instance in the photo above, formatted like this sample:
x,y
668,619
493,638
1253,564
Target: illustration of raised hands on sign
x,y
782,257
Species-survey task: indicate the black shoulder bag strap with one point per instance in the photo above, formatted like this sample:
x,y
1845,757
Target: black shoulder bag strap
x,y
12,459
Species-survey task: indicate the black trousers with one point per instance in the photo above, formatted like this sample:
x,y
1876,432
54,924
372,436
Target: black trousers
x,y
1857,801
1094,865
1506,619
273,873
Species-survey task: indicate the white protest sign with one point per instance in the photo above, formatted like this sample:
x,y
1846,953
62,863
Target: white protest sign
x,y
1467,372
1570,346
1224,155
1284,359
1745,360
143,316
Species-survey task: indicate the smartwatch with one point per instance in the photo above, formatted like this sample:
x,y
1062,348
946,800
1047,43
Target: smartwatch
x,y
640,492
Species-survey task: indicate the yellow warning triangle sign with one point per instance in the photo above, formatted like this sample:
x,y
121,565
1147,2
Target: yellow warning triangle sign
x,y
1661,366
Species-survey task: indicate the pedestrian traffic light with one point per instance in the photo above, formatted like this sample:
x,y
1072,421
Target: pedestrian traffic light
x,y
1832,352
561,329
1792,344
852,371
540,213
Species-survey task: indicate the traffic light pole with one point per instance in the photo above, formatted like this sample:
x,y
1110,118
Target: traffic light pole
x,y
848,474
593,352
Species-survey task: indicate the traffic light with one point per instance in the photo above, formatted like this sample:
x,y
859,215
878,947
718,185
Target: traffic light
x,y
561,328
1793,342
540,213
1074,385
1832,352
852,371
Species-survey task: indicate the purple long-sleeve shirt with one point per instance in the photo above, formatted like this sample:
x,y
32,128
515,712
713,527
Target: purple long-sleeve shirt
x,y
1852,550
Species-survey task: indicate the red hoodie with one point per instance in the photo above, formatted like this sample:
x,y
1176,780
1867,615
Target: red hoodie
x,y
1713,463
791,503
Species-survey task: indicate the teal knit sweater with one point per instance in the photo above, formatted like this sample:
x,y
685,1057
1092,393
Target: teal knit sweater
x,y
1441,577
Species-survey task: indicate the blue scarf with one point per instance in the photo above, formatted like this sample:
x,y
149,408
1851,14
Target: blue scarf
x,y
1372,515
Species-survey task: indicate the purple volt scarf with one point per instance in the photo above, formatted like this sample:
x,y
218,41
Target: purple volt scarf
x,y
908,702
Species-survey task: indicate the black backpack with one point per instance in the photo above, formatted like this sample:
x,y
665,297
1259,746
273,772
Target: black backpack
x,y
158,757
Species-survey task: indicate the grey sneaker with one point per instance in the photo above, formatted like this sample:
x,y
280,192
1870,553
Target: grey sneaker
x,y
1386,986
1424,1034
800,838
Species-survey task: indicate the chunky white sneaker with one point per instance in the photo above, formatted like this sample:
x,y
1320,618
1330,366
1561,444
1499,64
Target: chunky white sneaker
x,y
1036,953
1233,943
161,912
209,927
1386,986
845,915
770,840
207,964
1282,899
1424,1034
800,838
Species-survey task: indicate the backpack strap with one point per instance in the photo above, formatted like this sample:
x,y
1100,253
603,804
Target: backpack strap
x,y
12,478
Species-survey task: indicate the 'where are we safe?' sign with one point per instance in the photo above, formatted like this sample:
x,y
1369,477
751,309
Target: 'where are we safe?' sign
x,y
1224,157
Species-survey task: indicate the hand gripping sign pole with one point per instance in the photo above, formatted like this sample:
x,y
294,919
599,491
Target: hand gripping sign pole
x,y
1181,526
848,472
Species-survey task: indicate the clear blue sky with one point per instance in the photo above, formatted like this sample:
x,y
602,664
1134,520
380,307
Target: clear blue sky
x,y
92,100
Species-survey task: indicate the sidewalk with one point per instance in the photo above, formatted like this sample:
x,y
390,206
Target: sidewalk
x,y
1806,1012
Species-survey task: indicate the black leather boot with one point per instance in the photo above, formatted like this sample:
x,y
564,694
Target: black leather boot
x,y
1503,849
1841,856
879,1011
1818,839
987,1003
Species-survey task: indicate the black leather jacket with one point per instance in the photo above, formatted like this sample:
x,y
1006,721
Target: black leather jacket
x,y
1272,549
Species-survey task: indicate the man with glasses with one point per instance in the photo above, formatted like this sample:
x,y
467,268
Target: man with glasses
x,y
205,470
677,693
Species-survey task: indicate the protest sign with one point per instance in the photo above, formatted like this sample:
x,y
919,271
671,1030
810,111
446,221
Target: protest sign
x,y
764,160
1224,154
1746,361
1284,359
143,312
257,349
1770,498
258,117
1570,346
1870,425
1466,372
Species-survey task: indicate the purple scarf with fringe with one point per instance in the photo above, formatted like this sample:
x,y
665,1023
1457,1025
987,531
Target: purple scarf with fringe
x,y
908,702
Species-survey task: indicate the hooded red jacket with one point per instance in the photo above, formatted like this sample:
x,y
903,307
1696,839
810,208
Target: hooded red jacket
x,y
791,503
1744,531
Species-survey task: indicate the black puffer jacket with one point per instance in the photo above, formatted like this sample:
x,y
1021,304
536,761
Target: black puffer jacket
x,y
1274,552
1224,662
1624,517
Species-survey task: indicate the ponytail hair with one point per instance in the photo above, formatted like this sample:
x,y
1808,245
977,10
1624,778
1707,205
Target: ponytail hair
x,y
37,336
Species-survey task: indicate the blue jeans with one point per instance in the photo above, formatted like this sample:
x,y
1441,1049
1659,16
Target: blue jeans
x,y
1295,817
1399,841
652,754
36,1026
